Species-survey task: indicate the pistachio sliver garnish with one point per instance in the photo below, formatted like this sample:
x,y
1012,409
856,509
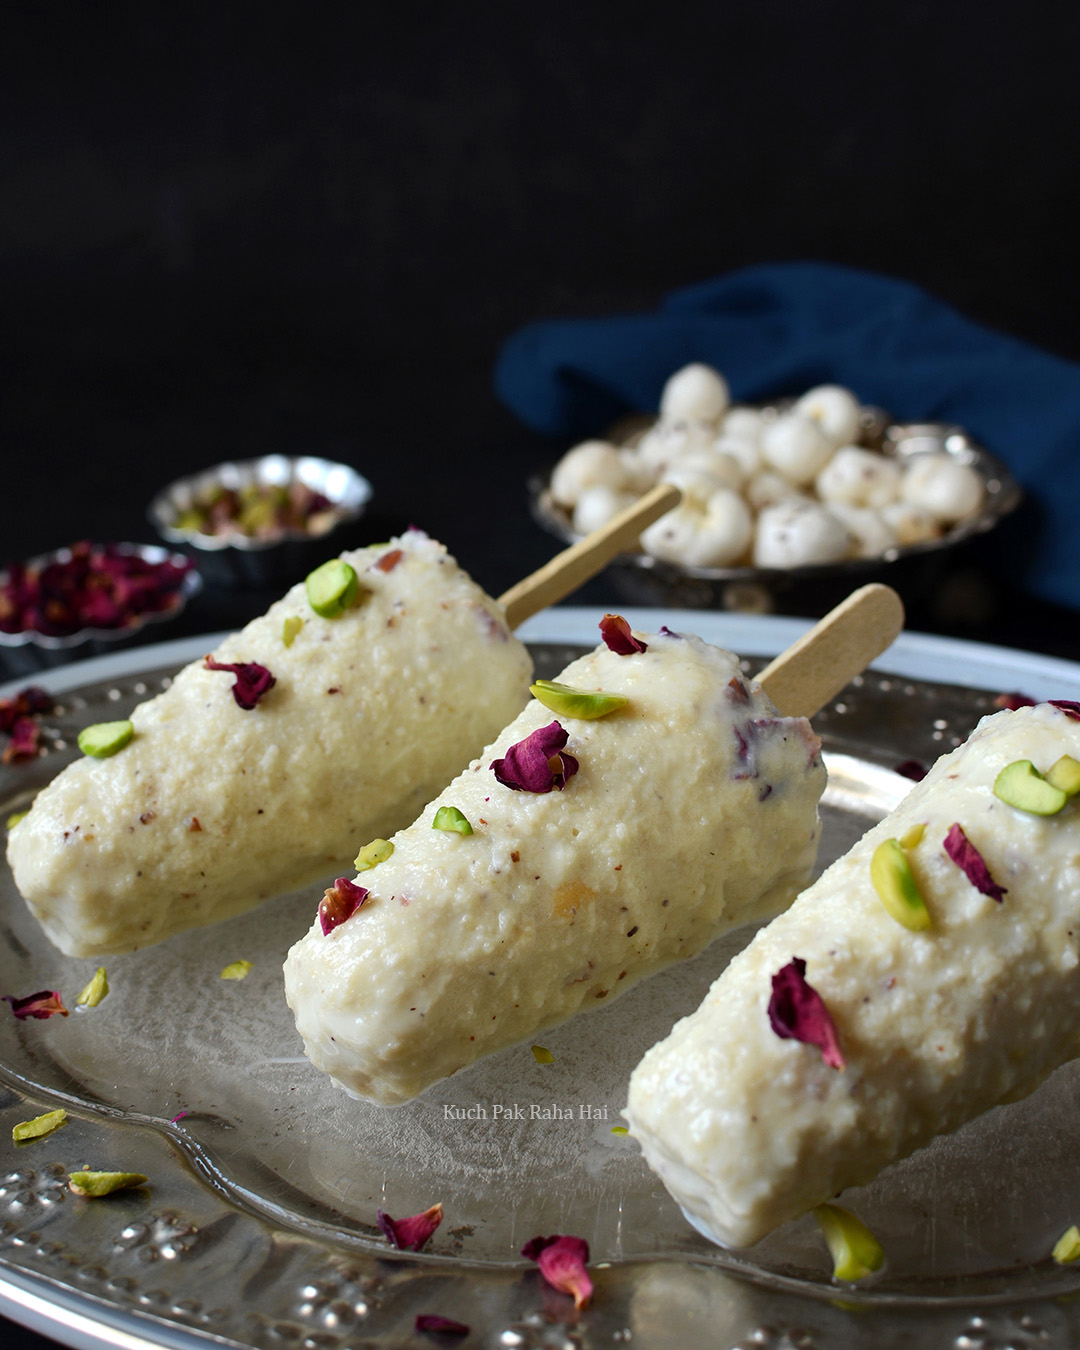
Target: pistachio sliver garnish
x,y
102,739
1022,785
1065,774
291,628
912,837
451,819
236,970
372,854
896,887
94,1184
15,817
542,1054
854,1249
586,704
94,991
1067,1248
40,1125
332,588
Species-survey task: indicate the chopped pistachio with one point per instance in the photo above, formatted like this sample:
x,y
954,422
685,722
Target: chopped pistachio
x,y
898,891
1065,774
450,818
570,702
542,1055
332,588
854,1249
1067,1248
913,837
93,1184
103,739
236,970
290,628
15,817
619,1129
95,990
34,1129
372,854
1022,785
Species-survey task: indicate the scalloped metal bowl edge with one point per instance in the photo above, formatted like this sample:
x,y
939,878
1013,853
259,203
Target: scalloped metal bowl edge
x,y
152,553
902,440
349,491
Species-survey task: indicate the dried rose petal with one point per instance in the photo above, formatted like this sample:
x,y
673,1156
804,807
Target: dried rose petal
x,y
26,703
798,1012
616,633
970,861
537,764
914,769
410,1234
446,1325
1067,706
252,680
562,1260
25,738
45,1003
1013,700
390,560
340,902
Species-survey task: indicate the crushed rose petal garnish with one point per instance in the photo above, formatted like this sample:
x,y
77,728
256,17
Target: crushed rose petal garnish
x,y
410,1234
340,902
1013,700
25,739
562,1260
914,769
252,680
538,763
971,862
45,1003
798,1012
390,560
26,703
445,1325
1067,706
616,633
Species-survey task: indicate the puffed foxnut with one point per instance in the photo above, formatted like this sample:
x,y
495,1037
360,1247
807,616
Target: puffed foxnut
x,y
796,534
795,447
667,440
596,506
770,489
716,533
835,410
942,485
695,393
590,464
859,477
911,524
870,533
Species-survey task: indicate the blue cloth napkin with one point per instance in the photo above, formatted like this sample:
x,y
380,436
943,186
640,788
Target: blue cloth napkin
x,y
780,328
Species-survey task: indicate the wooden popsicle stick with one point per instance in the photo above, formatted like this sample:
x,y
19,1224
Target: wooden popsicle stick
x,y
801,680
575,565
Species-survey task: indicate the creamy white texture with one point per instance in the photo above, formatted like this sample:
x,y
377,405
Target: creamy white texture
x,y
212,808
694,810
748,1130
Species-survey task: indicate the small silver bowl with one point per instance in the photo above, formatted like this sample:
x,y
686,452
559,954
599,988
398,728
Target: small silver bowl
x,y
28,650
649,581
238,559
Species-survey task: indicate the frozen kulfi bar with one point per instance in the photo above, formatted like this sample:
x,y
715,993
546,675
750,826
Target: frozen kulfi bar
x,y
597,849
265,766
931,973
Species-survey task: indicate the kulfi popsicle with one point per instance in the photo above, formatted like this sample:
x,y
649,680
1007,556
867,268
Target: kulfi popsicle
x,y
237,785
929,974
607,832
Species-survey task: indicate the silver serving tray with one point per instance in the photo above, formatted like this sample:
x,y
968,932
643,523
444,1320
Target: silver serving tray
x,y
257,1228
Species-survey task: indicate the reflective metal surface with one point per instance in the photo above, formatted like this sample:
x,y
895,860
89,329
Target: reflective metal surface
x,y
257,1226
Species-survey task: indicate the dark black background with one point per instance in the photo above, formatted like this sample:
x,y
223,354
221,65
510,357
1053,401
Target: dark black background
x,y
229,229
